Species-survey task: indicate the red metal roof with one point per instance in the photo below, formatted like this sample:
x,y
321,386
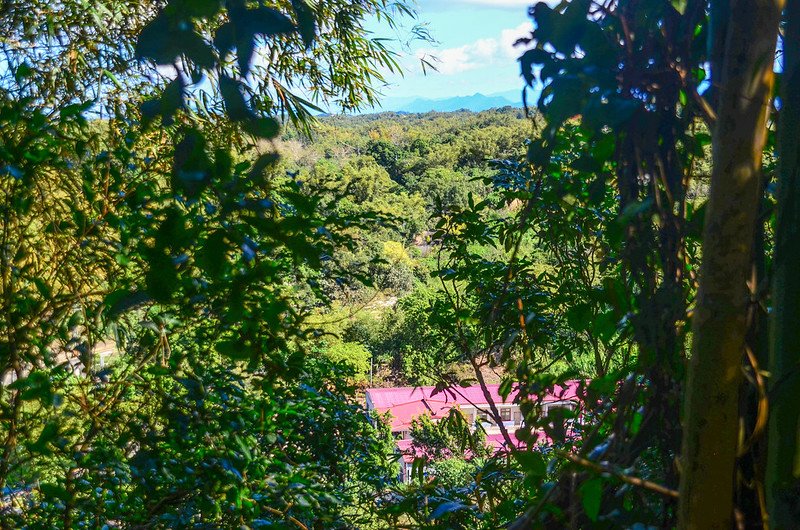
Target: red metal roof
x,y
406,403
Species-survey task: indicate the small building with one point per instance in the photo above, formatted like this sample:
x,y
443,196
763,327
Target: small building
x,y
404,404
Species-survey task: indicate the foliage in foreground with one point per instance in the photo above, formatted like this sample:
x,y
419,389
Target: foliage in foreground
x,y
150,221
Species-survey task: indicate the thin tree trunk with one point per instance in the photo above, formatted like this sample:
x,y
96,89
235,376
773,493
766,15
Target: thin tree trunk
x,y
782,479
711,423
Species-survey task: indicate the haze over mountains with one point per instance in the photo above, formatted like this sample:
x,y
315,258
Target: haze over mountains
x,y
476,103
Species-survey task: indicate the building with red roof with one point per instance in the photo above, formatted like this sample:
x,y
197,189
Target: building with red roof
x,y
403,404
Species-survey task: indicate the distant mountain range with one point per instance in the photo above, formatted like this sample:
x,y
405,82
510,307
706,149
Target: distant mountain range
x,y
475,103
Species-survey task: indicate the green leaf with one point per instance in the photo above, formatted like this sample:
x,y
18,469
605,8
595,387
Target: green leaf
x,y
225,38
538,154
172,98
587,164
579,316
124,300
529,59
235,103
245,48
568,95
111,77
48,434
246,24
605,326
161,278
54,491
198,8
233,349
262,127
192,168
306,21
43,288
23,71
505,387
563,28
156,42
532,462
609,111
198,50
74,110
597,189
591,493
268,22
166,105
211,256
603,149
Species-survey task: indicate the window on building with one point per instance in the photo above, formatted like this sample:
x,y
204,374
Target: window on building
x,y
505,414
517,417
555,406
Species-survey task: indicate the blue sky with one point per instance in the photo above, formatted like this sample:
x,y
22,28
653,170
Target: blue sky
x,y
474,49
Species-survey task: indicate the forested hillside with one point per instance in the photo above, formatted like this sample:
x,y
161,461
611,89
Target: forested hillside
x,y
413,170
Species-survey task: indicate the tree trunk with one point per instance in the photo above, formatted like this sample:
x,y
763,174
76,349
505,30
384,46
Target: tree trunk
x,y
782,479
719,324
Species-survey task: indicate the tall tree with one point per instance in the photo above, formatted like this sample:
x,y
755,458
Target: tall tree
x,y
631,71
782,478
711,424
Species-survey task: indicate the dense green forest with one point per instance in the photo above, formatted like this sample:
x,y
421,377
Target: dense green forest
x,y
171,192
413,170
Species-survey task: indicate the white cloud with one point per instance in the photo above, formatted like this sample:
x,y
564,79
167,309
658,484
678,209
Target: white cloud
x,y
509,36
500,3
482,52
462,58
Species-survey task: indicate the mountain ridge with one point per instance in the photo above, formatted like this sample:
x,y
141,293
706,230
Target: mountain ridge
x,y
475,103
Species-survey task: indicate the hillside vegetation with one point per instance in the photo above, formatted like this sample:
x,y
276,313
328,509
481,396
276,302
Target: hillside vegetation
x,y
414,170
